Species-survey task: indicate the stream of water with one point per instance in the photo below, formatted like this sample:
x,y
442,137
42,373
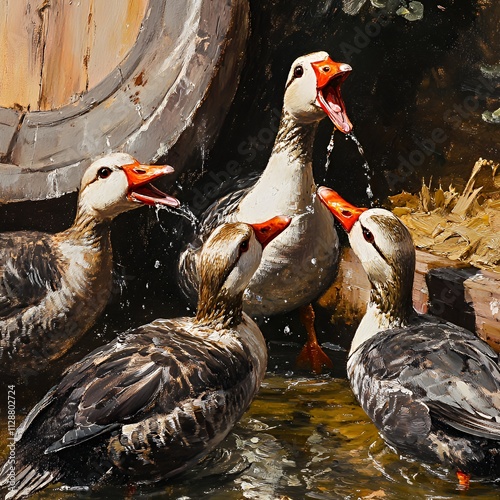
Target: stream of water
x,y
366,167
329,150
183,211
367,170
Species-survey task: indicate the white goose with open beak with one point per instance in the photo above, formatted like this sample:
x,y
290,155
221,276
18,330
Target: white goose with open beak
x,y
300,264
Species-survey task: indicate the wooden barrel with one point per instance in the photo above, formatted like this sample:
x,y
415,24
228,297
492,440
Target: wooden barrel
x,y
82,78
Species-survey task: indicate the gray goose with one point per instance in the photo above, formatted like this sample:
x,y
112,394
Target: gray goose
x,y
54,286
431,387
300,264
152,403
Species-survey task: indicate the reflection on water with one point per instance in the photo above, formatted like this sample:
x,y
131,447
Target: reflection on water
x,y
303,437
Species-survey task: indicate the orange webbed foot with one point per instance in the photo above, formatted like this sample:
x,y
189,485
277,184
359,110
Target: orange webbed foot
x,y
312,357
463,480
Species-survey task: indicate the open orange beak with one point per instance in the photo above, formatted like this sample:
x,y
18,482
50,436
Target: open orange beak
x,y
342,210
141,190
265,232
329,77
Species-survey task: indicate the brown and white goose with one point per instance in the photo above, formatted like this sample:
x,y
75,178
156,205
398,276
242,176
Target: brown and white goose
x,y
300,264
152,403
54,286
431,387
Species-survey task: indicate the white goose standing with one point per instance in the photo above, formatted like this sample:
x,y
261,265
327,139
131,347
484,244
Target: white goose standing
x,y
301,262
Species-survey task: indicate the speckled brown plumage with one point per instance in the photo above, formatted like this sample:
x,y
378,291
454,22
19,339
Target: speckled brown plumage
x,y
156,400
52,289
54,286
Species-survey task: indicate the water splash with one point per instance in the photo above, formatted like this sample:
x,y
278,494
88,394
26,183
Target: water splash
x,y
329,150
366,167
182,210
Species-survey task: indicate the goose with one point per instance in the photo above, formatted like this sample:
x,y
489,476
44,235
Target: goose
x,y
156,400
431,387
300,264
54,286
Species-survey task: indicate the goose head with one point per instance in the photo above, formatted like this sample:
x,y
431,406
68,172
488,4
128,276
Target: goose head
x,y
228,260
117,182
382,243
313,90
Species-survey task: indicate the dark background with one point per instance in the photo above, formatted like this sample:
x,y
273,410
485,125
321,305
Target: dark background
x,y
405,84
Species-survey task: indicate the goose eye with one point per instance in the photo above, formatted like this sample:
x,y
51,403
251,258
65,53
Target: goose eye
x,y
368,235
298,71
244,246
103,172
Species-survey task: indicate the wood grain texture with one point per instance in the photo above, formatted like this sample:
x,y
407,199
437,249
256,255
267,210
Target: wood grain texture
x,y
483,291
21,52
181,73
459,293
53,52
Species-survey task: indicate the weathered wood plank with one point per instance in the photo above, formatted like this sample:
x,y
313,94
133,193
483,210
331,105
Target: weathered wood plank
x,y
9,121
455,292
483,292
110,46
41,184
67,44
52,52
180,74
21,52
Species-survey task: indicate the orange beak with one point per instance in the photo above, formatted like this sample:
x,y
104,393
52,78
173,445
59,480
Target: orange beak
x,y
342,210
265,232
141,190
329,77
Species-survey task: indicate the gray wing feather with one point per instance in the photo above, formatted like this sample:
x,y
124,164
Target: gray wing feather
x,y
441,368
28,270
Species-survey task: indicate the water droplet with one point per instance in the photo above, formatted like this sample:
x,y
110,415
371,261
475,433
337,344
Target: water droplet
x,y
157,264
286,330
313,261
329,150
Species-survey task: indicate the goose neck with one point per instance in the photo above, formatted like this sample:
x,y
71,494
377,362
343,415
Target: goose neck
x,y
219,311
295,139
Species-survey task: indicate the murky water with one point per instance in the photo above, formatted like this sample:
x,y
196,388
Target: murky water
x,y
303,437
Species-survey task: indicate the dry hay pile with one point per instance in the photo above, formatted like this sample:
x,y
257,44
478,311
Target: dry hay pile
x,y
463,227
